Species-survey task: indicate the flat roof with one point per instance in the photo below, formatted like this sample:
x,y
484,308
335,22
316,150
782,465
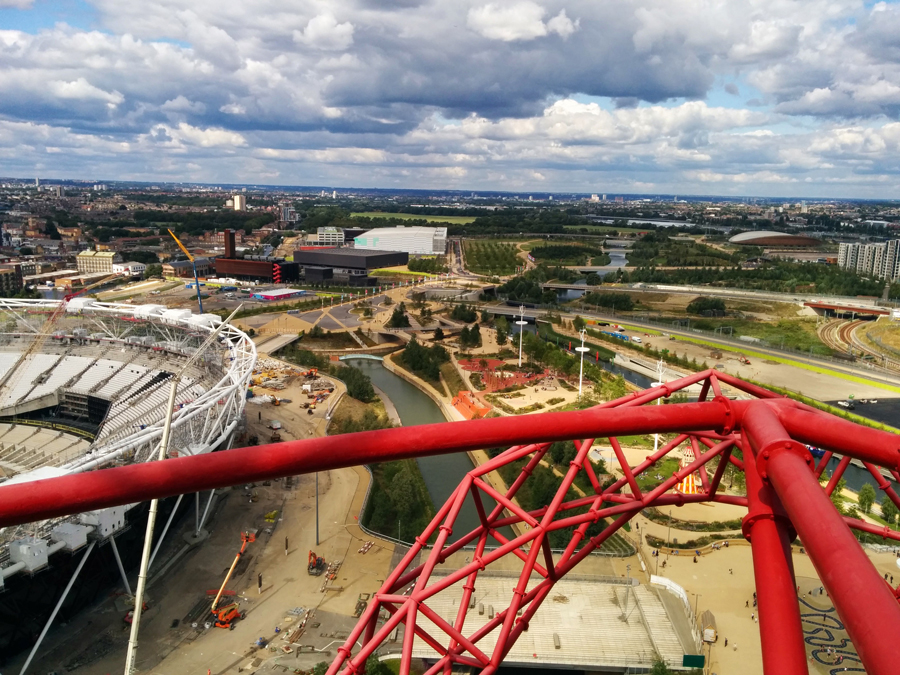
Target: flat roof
x,y
359,252
278,292
584,615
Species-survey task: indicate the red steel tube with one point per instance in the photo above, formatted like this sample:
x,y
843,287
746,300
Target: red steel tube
x,y
37,500
780,628
865,604
833,433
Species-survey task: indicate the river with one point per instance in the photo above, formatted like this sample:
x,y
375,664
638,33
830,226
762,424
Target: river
x,y
442,473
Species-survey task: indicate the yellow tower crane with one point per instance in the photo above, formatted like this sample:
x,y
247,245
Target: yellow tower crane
x,y
194,263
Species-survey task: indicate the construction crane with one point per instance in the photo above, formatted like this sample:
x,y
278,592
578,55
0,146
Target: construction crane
x,y
194,264
44,333
225,615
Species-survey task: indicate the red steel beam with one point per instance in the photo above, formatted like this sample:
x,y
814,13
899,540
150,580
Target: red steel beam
x,y
833,433
863,601
38,500
780,627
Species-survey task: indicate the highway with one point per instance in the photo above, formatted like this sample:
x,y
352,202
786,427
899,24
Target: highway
x,y
723,293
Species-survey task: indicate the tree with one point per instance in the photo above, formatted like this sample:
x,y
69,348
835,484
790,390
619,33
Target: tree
x,y
866,497
578,323
438,333
485,316
837,498
888,510
398,317
359,386
153,271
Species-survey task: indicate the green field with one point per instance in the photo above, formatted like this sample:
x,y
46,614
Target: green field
x,y
454,220
491,257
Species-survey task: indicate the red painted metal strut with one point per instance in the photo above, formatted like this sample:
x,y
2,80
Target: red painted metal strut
x,y
763,436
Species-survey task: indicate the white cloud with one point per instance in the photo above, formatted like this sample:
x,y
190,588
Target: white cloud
x,y
508,22
16,4
324,32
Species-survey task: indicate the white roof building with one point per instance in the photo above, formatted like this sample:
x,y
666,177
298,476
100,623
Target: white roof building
x,y
415,240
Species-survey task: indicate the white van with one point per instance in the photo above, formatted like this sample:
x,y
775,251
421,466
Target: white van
x,y
636,339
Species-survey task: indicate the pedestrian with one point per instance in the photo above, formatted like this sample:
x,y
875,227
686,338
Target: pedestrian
x,y
735,646
892,580
730,571
726,642
259,583
747,603
285,545
752,616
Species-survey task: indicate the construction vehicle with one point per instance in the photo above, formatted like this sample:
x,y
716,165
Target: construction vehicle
x,y
226,615
316,564
311,373
275,401
744,360
275,437
194,264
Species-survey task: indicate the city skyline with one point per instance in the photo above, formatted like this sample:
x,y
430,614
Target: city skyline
x,y
681,98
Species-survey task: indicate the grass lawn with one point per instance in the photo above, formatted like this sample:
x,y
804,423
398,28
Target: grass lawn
x,y
452,379
456,220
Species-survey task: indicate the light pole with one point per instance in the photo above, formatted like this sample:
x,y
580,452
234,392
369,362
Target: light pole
x,y
521,323
660,372
627,589
581,350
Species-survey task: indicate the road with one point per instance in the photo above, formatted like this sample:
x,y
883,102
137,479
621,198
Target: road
x,y
877,376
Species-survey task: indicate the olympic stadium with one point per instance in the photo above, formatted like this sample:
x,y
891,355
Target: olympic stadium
x,y
90,393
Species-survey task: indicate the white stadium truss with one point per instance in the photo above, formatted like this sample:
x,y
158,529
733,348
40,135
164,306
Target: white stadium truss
x,y
140,346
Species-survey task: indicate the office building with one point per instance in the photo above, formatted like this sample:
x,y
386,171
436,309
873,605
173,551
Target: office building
x,y
414,240
90,262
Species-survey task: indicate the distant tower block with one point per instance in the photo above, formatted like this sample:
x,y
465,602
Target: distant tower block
x,y
240,203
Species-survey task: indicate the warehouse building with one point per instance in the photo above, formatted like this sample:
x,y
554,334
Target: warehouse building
x,y
345,266
414,240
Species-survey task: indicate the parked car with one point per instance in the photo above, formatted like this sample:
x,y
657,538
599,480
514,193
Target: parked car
x,y
848,405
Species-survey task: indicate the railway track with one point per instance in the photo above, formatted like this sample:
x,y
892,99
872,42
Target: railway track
x,y
841,336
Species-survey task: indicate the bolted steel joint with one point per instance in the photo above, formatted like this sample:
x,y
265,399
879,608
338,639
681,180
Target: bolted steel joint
x,y
771,450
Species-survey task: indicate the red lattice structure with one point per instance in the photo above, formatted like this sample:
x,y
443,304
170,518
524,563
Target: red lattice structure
x,y
784,499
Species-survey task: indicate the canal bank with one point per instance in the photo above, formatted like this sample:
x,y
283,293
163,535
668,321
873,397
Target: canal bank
x,y
442,474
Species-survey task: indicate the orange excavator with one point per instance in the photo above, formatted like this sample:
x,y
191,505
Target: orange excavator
x,y
316,564
226,615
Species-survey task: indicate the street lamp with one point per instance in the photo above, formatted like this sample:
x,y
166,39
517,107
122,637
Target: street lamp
x,y
582,349
660,372
521,323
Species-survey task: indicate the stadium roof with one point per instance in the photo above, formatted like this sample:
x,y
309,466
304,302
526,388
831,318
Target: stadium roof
x,y
772,238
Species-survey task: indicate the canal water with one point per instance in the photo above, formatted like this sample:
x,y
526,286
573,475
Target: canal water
x,y
443,473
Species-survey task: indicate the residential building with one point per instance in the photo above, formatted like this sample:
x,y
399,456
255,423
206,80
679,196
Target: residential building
x,y
414,240
240,203
10,279
89,262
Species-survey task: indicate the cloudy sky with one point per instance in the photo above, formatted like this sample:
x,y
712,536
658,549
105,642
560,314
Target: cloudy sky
x,y
743,97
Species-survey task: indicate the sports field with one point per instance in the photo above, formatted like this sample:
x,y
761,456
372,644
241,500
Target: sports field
x,y
453,220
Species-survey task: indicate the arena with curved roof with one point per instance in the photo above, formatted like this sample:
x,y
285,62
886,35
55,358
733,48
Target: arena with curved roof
x,y
772,238
92,391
